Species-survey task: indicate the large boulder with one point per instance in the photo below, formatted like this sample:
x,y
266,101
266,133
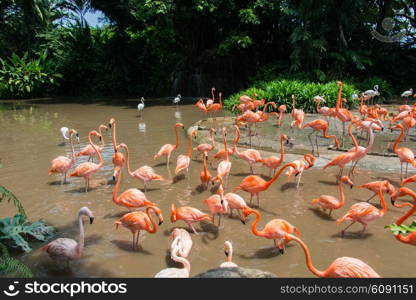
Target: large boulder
x,y
235,273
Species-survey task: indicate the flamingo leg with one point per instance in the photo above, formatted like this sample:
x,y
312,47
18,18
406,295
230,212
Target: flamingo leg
x,y
251,198
193,228
375,194
407,165
310,140
343,231
258,200
137,240
134,240
317,146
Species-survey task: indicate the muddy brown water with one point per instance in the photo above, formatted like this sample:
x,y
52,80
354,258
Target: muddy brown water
x,y
31,139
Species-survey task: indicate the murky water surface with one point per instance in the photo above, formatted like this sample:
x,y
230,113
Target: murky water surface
x,y
31,139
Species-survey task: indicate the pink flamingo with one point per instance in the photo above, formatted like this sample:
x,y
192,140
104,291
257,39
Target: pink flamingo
x,y
212,100
331,202
273,162
87,169
62,164
205,175
300,166
217,204
224,167
64,249
167,149
183,243
342,267
375,186
364,213
145,174
251,156
201,105
343,114
205,148
89,149
236,202
319,125
228,250
297,114
405,155
189,215
118,158
183,161
282,110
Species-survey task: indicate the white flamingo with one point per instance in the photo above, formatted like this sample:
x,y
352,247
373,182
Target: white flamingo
x,y
407,94
228,250
177,99
370,94
176,272
140,106
64,132
64,249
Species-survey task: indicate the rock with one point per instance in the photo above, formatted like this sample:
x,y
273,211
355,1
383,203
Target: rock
x,y
235,273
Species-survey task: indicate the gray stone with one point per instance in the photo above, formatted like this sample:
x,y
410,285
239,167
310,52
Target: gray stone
x,y
235,273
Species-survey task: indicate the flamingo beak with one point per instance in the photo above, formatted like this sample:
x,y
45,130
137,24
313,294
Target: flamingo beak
x,y
351,186
91,220
160,223
226,253
114,178
282,251
243,221
109,125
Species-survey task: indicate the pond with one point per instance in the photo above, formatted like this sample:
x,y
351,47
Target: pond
x,y
31,139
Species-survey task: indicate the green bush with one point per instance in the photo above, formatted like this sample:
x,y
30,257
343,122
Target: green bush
x,y
281,90
384,87
21,77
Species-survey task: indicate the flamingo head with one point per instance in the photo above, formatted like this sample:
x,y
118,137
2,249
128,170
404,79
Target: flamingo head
x,y
397,126
282,108
339,83
228,248
347,180
173,213
111,123
158,213
179,125
85,211
403,191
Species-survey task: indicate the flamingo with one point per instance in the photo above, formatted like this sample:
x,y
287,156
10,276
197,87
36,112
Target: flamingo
x,y
228,250
258,103
405,107
275,229
282,110
137,221
189,215
236,202
408,122
205,148
344,267
131,198
245,99
145,174
370,94
408,179
176,272
87,169
215,107
118,157
297,114
360,151
300,166
184,243
410,238
224,167
183,161
205,175
140,106
330,202
375,186
64,132
363,108
255,185
407,94
343,114
91,151
167,149
177,99
212,100
251,156
325,110
318,125
405,154
273,162
364,213
65,249
201,106
217,204
221,153
62,164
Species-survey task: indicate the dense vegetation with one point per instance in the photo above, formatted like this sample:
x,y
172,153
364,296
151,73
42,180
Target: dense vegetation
x,y
161,47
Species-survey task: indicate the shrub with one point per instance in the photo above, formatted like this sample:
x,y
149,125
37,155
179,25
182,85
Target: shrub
x,y
281,90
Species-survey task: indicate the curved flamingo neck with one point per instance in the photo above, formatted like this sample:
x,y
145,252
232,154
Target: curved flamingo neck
x,y
254,224
190,145
100,158
177,138
309,160
153,228
371,141
308,257
128,161
115,192
324,131
396,143
268,183
266,105
318,106
212,95
102,138
383,209
185,263
71,143
341,194
352,137
410,212
80,245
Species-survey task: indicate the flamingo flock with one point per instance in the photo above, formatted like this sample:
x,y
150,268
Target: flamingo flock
x,y
144,215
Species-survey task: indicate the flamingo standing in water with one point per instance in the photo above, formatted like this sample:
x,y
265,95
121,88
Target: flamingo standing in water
x,y
215,107
167,149
301,165
140,106
205,148
183,161
131,198
342,267
212,100
177,99
189,215
89,150
255,185
64,249
236,202
331,202
407,94
87,169
275,229
282,110
62,164
405,155
205,175
410,238
201,105
251,156
273,162
325,110
297,114
228,250
224,167
319,125
375,186
118,157
217,204
145,174
176,272
138,220
364,213
184,241
343,114
65,132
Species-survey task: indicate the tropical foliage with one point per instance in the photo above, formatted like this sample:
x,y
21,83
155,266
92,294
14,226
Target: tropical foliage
x,y
402,229
11,267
